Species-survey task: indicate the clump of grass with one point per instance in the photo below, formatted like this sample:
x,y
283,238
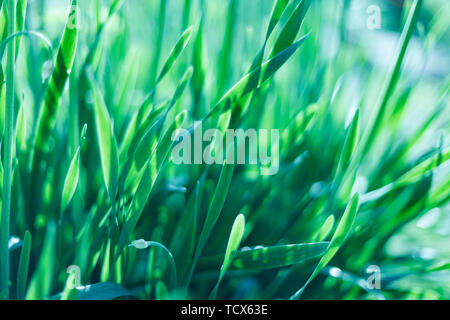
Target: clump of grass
x,y
108,203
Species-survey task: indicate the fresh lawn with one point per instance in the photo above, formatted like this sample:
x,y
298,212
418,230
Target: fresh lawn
x,y
93,207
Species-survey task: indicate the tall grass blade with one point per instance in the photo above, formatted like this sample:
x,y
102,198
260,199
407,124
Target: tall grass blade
x,y
262,258
393,76
237,232
24,263
42,279
342,231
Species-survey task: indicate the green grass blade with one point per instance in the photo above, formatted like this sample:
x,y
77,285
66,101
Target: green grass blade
x,y
159,40
418,171
24,262
71,181
147,181
61,71
140,123
325,230
342,231
42,280
225,55
262,258
277,12
349,147
148,142
292,27
185,236
161,292
199,75
115,6
237,232
175,53
393,75
249,82
21,130
107,143
21,11
413,175
215,207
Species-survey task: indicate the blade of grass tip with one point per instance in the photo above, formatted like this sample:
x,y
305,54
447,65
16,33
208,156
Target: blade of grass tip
x,y
93,49
292,27
418,171
146,107
179,47
277,11
49,106
249,82
393,76
348,149
264,258
215,207
237,232
106,141
345,165
22,270
3,19
7,160
71,181
325,230
147,180
61,71
443,265
161,292
411,176
342,231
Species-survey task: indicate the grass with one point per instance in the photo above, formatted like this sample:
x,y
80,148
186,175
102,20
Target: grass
x,y
94,208
8,154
